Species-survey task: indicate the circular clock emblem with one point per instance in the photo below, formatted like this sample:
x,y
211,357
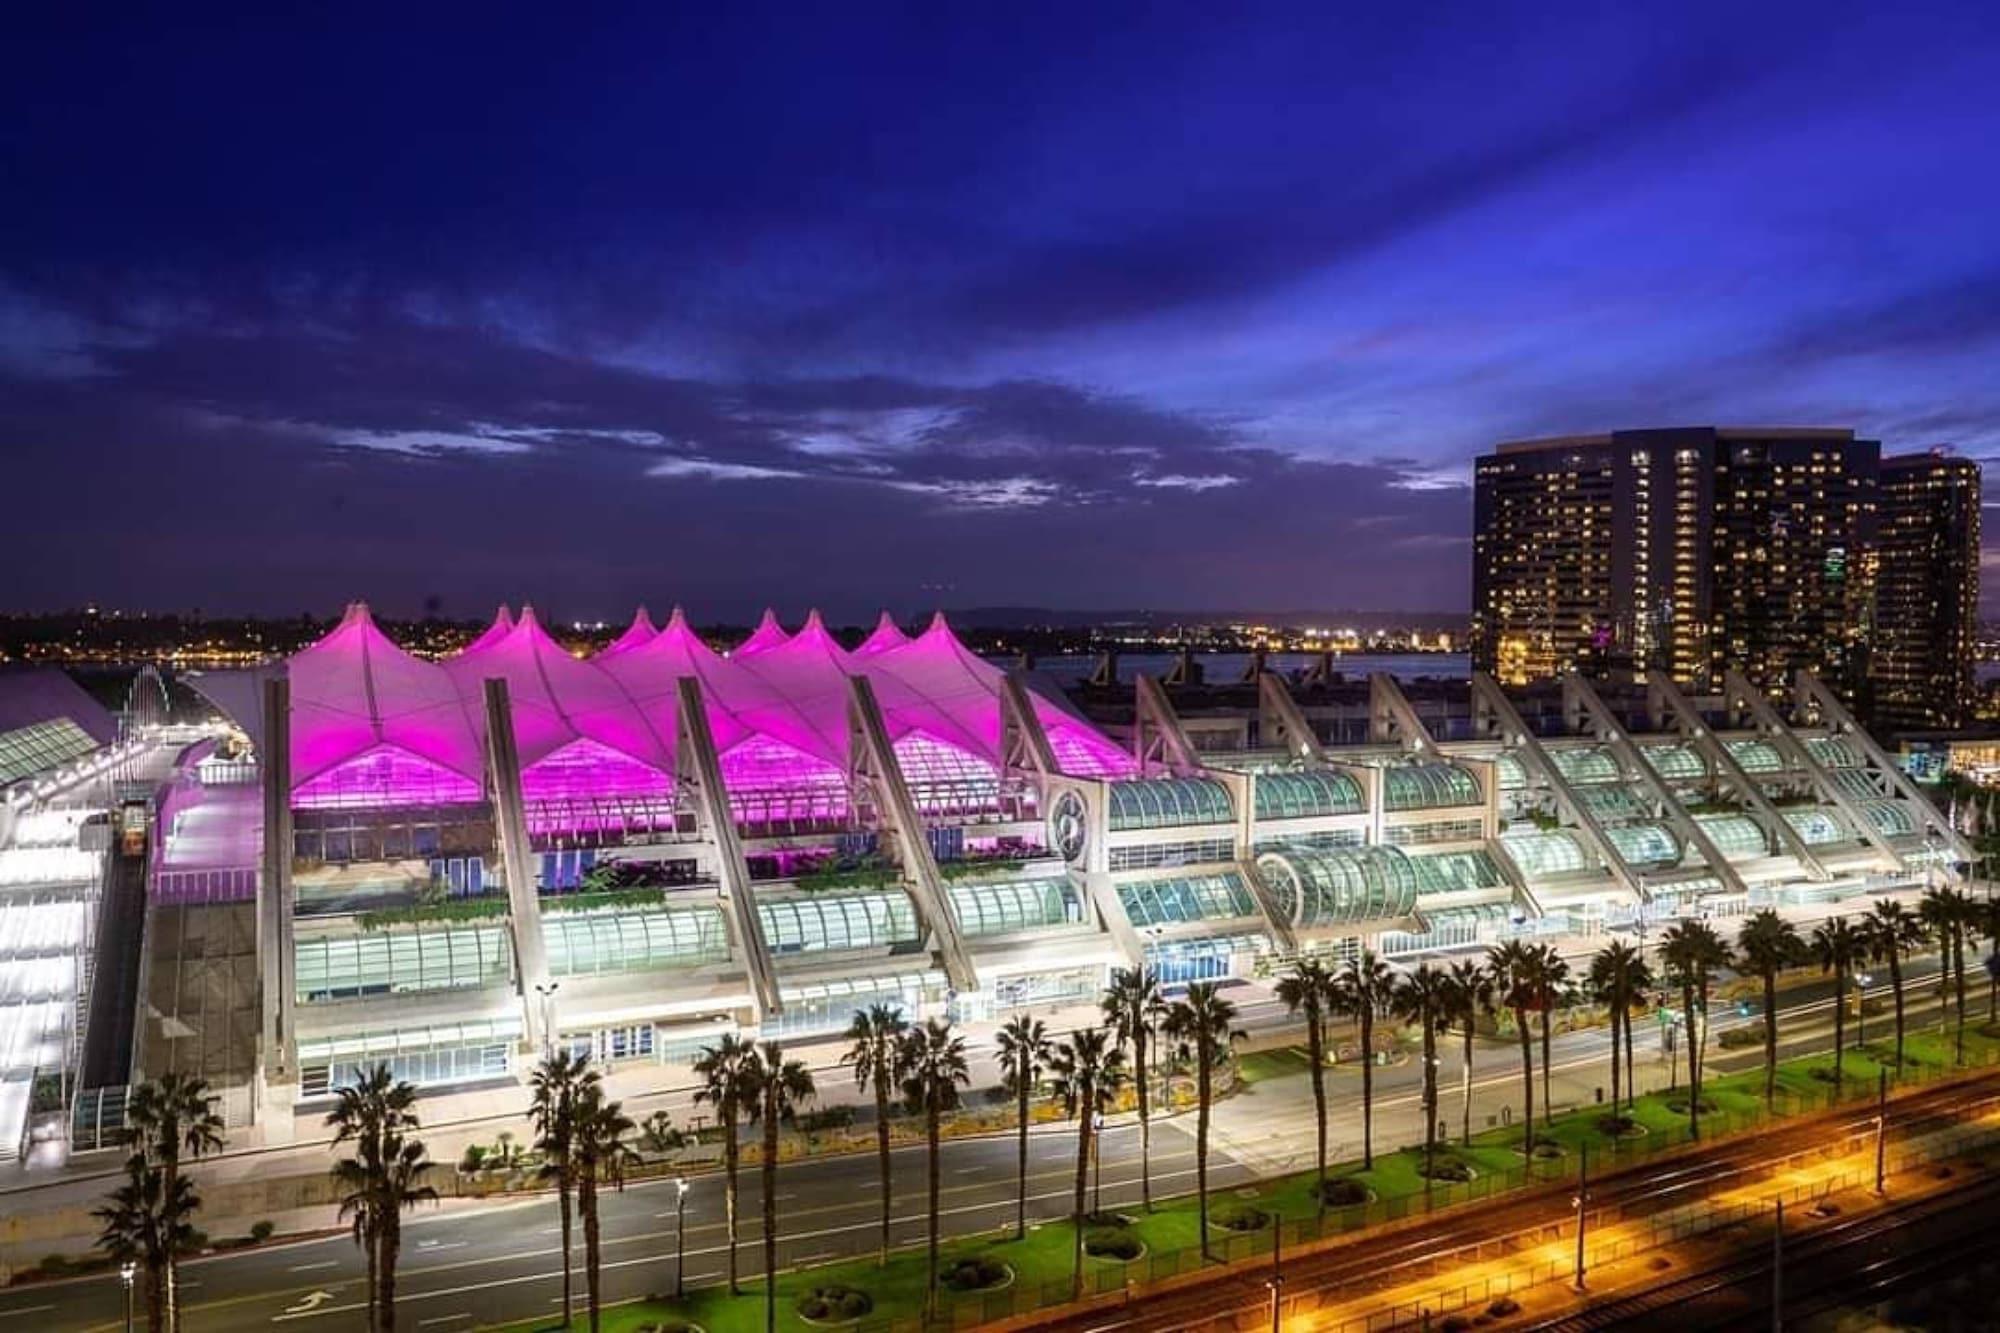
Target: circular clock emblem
x,y
1069,826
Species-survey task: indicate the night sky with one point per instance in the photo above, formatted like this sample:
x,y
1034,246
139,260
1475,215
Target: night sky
x,y
1196,308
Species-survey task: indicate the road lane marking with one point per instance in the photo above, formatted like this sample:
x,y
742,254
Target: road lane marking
x,y
451,1318
308,1268
29,1309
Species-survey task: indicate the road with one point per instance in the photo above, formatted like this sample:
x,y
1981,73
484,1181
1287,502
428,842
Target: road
x,y
488,1263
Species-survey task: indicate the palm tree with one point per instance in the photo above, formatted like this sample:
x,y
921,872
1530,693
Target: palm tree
x,y
1839,945
728,1083
1308,989
146,1220
1768,944
1471,999
1088,1068
779,1088
1423,997
876,1053
1362,988
384,1177
554,1086
1618,974
1988,913
1202,1026
1024,1050
601,1150
933,1068
1691,952
1946,912
1132,1010
1893,930
1515,969
165,1118
1554,973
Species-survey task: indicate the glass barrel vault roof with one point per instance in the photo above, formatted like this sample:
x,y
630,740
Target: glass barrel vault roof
x,y
1169,803
1308,793
1338,886
1428,786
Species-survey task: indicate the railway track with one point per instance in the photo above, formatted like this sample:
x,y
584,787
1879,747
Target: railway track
x,y
1632,1191
1739,1289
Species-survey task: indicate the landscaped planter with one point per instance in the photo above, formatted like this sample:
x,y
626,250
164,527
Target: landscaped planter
x,y
834,1306
982,1276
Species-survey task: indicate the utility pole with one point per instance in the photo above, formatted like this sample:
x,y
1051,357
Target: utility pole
x,y
1778,1273
1582,1203
1881,1129
1277,1282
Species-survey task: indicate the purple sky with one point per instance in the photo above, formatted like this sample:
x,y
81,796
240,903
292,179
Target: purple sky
x,y
1083,307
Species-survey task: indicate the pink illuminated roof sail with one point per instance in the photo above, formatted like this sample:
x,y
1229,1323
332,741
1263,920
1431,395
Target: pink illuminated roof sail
x,y
503,624
637,635
769,634
886,635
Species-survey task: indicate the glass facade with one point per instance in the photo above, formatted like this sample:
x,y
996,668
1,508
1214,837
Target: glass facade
x,y
426,1056
1891,818
1007,906
1306,794
1538,853
1676,763
1610,805
879,919
1186,900
1340,886
1737,837
1816,828
1169,803
1434,831
1833,752
1428,786
1586,764
1162,855
1512,775
1451,872
1177,962
41,746
1645,844
400,961
1755,756
590,943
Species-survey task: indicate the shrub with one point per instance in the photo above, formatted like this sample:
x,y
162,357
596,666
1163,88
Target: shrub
x,y
975,1274
1241,1219
834,1302
1342,1192
1112,1243
261,1231
1740,1039
1450,1170
1503,1307
55,1265
473,1158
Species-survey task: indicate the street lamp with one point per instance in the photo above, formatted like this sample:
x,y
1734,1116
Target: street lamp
x,y
1097,1161
680,1234
547,991
1861,980
128,1272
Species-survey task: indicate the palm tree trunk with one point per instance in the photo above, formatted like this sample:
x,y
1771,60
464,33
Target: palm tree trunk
x,y
731,1159
392,1244
1839,1023
770,1170
1616,1087
1896,985
1316,1052
1631,1082
156,1298
1021,1198
1430,1100
1145,1119
1770,1038
1958,965
1367,1086
170,1171
563,1202
1082,1177
1465,1083
882,1157
593,1252
1527,1080
374,1247
1548,1098
1694,1064
1204,1054
931,1110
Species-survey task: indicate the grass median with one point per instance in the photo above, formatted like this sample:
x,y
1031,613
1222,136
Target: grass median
x,y
1040,1264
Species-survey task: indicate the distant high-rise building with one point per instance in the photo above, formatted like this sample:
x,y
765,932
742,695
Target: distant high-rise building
x,y
1677,550
1927,598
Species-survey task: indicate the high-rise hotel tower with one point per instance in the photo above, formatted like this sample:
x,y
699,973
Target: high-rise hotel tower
x,y
1686,549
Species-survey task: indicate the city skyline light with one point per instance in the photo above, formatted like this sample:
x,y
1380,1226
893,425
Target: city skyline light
x,y
1065,309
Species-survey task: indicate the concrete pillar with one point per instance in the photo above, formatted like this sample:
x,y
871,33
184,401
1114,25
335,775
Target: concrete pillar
x,y
524,908
277,900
